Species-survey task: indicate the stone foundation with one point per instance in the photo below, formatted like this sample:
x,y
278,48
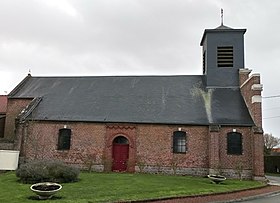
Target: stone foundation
x,y
233,173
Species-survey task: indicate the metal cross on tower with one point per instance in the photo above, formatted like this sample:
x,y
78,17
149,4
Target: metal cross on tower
x,y
222,16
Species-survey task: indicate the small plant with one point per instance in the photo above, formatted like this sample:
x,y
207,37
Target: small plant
x,y
47,171
107,164
219,170
90,160
159,167
175,161
141,163
239,169
130,165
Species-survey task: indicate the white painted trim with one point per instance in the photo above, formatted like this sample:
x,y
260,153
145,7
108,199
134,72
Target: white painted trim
x,y
257,87
256,99
253,75
245,70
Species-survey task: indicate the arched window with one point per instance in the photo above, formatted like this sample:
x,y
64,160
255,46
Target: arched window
x,y
179,142
64,139
234,143
120,140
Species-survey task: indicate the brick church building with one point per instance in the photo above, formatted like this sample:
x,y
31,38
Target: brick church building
x,y
188,124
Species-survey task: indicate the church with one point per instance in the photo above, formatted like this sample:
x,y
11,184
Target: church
x,y
180,124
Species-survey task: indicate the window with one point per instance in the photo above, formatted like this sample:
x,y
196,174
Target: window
x,y
234,143
64,139
225,56
120,140
179,142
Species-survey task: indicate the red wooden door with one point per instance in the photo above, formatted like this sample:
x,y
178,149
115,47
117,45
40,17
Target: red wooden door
x,y
120,157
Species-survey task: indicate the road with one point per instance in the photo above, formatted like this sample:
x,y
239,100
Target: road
x,y
274,198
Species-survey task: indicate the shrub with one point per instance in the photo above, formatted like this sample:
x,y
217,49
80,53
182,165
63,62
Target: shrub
x,y
47,171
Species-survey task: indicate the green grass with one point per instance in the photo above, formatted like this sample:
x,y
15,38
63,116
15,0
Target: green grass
x,y
112,187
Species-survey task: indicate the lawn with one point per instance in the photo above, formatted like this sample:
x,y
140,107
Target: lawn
x,y
112,187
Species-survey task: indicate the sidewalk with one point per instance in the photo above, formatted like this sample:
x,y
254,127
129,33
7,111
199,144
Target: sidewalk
x,y
273,180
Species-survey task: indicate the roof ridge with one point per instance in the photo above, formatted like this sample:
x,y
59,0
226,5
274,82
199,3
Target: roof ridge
x,y
100,76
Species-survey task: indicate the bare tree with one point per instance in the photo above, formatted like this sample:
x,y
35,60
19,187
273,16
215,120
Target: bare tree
x,y
270,142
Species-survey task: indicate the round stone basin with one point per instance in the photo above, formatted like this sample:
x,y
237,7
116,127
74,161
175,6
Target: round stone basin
x,y
45,190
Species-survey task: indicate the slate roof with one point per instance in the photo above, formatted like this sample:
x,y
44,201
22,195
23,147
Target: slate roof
x,y
223,27
132,99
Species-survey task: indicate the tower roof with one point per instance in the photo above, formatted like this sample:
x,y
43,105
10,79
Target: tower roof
x,y
221,28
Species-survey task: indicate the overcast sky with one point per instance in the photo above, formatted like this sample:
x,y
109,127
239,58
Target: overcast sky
x,y
134,37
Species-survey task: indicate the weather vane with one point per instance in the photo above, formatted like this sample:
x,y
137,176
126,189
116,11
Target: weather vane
x,y
222,16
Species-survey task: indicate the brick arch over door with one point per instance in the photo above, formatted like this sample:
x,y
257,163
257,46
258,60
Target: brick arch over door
x,y
114,131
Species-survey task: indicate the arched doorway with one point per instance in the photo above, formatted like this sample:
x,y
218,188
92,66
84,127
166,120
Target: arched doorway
x,y
120,153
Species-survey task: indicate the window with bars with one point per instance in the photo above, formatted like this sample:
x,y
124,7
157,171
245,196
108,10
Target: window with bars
x,y
234,143
64,139
179,142
225,56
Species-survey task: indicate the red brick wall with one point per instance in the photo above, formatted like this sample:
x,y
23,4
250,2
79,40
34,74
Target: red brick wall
x,y
214,148
154,144
230,165
149,144
244,75
14,107
248,91
234,161
87,142
258,158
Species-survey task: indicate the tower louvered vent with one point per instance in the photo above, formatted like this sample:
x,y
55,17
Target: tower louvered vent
x,y
225,56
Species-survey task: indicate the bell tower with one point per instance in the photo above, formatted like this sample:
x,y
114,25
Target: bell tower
x,y
223,56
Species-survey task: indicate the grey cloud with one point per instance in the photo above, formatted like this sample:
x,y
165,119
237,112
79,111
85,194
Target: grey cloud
x,y
131,37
